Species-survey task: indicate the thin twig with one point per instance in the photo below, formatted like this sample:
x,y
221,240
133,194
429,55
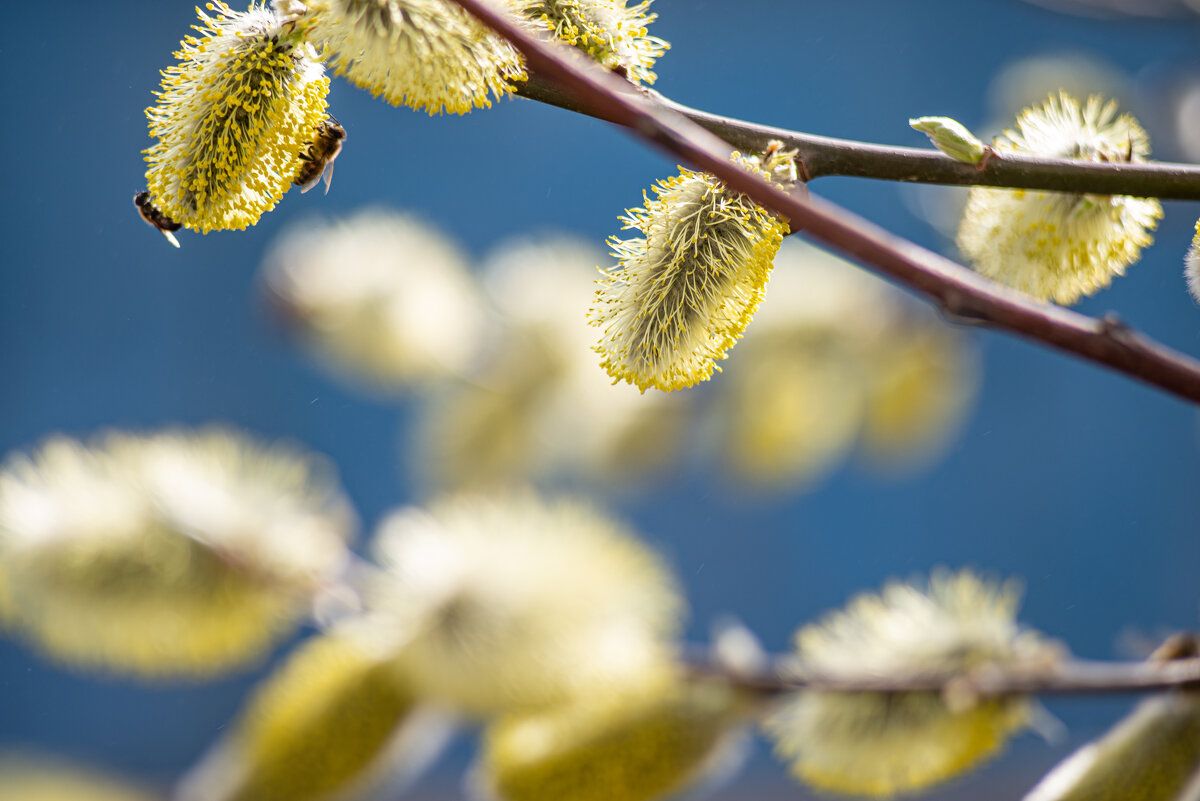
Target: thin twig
x,y
958,290
821,156
1068,678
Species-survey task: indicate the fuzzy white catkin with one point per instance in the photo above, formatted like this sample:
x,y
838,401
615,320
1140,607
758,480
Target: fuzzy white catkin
x,y
385,301
883,745
511,602
1052,245
613,32
178,553
425,54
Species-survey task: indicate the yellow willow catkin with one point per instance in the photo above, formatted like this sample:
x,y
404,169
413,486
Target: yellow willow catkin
x,y
683,293
424,54
883,745
232,119
1053,245
610,31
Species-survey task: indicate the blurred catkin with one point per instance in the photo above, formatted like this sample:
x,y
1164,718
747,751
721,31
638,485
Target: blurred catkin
x,y
334,721
889,744
174,554
510,602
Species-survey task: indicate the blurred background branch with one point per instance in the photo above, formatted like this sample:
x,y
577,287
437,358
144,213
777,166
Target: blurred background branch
x,y
1071,677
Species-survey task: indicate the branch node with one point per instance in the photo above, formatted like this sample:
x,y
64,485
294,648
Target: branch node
x,y
957,307
960,694
1117,330
989,153
802,171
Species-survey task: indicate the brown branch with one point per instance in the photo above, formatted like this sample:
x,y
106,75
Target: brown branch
x,y
821,156
958,290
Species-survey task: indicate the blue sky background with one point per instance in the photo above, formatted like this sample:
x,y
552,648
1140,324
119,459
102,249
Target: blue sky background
x,y
1080,482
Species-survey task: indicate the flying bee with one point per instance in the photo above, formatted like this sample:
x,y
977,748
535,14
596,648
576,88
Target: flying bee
x,y
154,217
319,154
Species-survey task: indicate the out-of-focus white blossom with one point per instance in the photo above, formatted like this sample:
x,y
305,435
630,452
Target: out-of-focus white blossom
x,y
512,603
1077,73
381,297
537,406
172,554
885,744
1053,245
837,356
424,54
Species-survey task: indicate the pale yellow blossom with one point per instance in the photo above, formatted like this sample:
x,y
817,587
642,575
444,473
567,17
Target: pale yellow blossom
x,y
612,32
1053,245
835,358
384,300
512,602
172,554
1191,262
425,54
537,407
884,745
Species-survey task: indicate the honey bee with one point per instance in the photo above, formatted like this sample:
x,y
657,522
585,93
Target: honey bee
x,y
319,154
154,217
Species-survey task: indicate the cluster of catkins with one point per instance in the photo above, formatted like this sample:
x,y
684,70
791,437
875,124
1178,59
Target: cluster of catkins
x,y
549,624
554,627
508,392
242,117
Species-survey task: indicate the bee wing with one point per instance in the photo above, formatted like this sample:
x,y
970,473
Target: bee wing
x,y
328,173
311,182
170,237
